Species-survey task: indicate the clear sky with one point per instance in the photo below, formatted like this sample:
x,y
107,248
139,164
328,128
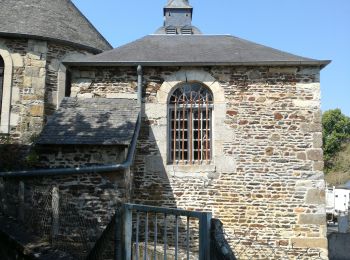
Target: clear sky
x,y
318,29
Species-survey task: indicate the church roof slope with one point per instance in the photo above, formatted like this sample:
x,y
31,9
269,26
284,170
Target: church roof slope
x,y
95,121
167,50
50,19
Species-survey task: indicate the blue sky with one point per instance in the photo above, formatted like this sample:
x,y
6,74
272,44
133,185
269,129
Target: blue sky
x,y
317,29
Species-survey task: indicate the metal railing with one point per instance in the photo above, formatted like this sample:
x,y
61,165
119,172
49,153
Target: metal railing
x,y
156,238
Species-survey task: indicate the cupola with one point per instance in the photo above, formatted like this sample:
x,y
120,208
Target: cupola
x,y
178,18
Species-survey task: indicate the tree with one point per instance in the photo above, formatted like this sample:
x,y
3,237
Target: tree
x,y
336,131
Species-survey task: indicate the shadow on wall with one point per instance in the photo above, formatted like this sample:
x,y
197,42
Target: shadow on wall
x,y
153,186
16,157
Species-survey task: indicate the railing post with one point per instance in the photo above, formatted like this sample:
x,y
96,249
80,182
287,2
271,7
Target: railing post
x,y
55,211
204,236
118,234
21,201
126,232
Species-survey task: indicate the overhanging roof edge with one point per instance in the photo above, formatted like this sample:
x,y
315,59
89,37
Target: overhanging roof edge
x,y
321,63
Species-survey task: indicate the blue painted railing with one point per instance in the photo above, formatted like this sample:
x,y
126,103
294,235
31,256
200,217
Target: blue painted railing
x,y
128,231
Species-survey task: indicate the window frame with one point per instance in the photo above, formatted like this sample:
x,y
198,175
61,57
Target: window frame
x,y
208,110
2,68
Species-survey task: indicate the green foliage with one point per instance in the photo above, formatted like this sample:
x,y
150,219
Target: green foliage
x,y
336,132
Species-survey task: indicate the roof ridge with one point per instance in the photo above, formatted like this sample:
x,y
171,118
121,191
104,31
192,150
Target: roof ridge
x,y
90,23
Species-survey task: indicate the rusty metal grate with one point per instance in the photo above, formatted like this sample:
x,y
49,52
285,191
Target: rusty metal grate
x,y
190,124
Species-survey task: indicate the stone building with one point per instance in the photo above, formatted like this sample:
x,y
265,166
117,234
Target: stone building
x,y
227,125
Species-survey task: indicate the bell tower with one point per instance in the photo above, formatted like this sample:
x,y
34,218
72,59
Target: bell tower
x,y
178,17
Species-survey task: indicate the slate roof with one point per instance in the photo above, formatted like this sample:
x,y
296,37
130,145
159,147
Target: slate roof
x,y
95,121
178,4
49,19
192,50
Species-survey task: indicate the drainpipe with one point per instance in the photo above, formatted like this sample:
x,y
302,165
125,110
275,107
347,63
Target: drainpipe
x,y
93,169
139,86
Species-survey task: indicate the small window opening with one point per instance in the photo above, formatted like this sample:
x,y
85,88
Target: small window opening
x,y
68,83
190,124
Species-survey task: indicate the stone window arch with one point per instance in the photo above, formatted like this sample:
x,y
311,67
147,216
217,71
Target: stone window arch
x,y
190,124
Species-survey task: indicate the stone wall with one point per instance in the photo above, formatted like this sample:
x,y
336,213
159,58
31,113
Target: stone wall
x,y
66,156
266,180
33,86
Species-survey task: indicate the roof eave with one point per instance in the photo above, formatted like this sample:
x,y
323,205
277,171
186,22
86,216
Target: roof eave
x,y
320,63
45,38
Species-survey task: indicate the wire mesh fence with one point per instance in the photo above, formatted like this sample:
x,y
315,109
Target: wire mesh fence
x,y
59,219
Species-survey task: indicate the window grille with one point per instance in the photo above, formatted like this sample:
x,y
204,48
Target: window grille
x,y
2,67
190,124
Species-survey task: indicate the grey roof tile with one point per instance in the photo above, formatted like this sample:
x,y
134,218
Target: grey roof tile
x,y
176,50
49,19
91,122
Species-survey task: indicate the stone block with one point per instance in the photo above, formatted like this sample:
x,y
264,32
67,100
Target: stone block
x,y
317,140
154,110
318,166
288,70
275,137
307,103
15,94
301,156
225,164
17,60
315,196
312,219
315,154
310,128
36,110
310,242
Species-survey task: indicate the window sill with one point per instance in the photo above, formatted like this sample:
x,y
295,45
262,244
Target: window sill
x,y
190,169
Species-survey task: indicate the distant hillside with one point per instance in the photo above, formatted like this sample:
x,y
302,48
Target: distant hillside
x,y
339,172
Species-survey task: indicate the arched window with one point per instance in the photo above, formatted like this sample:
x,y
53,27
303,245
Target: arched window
x,y
2,67
190,124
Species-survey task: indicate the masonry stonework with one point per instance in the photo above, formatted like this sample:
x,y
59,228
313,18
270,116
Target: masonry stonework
x,y
34,84
266,180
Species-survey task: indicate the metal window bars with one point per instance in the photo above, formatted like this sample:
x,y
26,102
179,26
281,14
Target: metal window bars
x,y
190,124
